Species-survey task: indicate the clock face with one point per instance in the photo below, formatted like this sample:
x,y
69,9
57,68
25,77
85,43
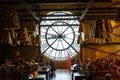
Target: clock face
x,y
59,36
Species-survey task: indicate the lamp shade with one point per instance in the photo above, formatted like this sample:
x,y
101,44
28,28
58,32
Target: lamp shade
x,y
103,29
99,28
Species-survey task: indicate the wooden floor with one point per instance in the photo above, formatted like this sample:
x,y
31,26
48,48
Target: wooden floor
x,y
62,74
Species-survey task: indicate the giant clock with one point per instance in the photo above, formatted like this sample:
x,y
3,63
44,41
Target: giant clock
x,y
59,35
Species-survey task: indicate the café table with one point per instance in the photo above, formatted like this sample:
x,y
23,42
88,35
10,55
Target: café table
x,y
46,71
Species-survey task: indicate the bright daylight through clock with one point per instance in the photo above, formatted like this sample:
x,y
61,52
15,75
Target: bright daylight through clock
x,y
59,34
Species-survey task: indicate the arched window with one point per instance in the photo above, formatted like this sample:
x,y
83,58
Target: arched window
x,y
59,34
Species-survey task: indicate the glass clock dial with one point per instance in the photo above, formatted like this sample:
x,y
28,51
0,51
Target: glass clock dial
x,y
59,36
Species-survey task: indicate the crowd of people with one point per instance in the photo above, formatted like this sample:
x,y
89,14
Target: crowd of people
x,y
20,69
103,69
100,69
13,69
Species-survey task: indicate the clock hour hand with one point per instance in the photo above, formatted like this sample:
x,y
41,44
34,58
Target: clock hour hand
x,y
51,36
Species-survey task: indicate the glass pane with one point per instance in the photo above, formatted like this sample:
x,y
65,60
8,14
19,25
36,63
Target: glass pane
x,y
59,38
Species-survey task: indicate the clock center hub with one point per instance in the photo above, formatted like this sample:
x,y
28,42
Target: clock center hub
x,y
60,36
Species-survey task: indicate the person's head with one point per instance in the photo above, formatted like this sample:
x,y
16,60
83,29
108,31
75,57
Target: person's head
x,y
88,60
108,76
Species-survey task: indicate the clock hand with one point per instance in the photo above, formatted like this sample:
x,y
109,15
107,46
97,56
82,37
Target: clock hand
x,y
50,45
71,46
65,30
51,36
54,30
